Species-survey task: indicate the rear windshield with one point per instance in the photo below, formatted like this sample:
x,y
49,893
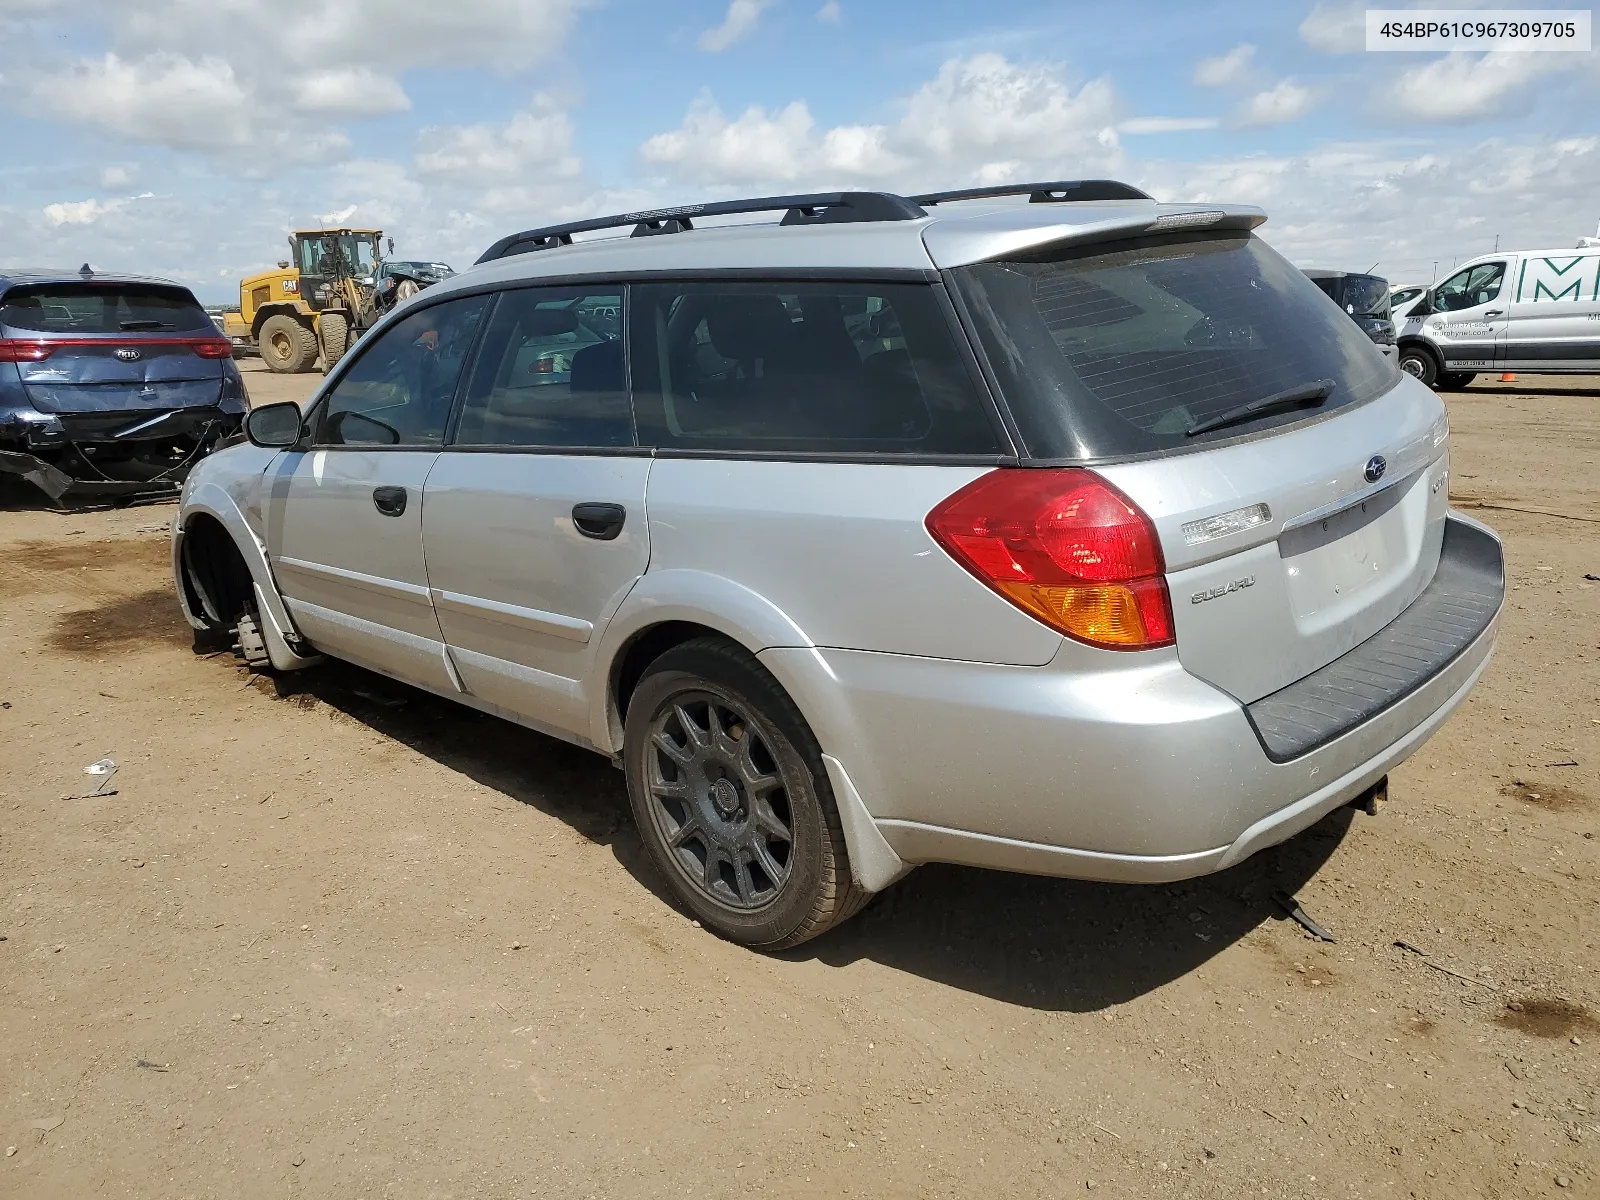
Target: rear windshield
x,y
1119,349
104,308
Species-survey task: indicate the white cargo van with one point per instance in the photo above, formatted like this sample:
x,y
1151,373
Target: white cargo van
x,y
1534,312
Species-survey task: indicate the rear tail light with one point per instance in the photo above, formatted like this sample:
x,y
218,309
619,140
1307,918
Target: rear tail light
x,y
27,350
16,350
1065,547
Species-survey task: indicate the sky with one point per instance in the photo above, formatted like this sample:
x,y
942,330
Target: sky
x,y
185,138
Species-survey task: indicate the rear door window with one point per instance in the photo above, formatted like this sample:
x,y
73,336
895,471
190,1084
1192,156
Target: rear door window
x,y
803,367
89,308
1118,350
550,373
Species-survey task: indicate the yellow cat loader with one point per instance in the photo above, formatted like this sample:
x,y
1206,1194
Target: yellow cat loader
x,y
317,301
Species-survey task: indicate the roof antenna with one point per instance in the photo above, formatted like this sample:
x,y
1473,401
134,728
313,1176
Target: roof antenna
x,y
86,270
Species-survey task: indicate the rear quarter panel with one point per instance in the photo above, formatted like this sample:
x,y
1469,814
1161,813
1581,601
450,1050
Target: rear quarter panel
x,y
841,551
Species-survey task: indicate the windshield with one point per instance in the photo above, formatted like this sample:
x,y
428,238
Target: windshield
x,y
359,251
1118,350
1366,296
103,308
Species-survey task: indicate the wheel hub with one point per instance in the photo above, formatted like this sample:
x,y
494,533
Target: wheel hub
x,y
725,798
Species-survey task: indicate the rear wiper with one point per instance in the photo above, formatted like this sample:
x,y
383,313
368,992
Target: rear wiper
x,y
147,324
1307,395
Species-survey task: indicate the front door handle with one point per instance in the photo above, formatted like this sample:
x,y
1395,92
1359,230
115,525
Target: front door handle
x,y
1495,312
603,522
390,501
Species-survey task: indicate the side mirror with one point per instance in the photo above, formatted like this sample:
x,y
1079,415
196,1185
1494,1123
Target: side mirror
x,y
274,426
391,247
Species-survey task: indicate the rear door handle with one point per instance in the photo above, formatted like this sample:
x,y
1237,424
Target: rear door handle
x,y
390,501
603,522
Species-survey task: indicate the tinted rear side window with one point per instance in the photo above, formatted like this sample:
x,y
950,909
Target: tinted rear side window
x,y
803,367
74,308
1119,349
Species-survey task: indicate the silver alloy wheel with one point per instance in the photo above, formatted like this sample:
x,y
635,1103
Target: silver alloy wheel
x,y
1412,366
719,799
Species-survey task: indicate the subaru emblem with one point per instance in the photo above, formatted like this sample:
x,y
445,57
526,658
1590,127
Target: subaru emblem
x,y
1376,466
128,354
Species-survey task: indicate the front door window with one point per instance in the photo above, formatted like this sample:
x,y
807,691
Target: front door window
x,y
399,391
1470,288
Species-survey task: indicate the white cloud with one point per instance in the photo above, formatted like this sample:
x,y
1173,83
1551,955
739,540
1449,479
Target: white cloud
x,y
830,12
1285,101
1137,125
978,118
118,175
1463,87
353,91
534,146
80,212
1226,69
739,23
400,34
265,84
158,98
1336,28
779,146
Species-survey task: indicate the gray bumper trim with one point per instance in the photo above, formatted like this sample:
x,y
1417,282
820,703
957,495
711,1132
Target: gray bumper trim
x,y
1451,613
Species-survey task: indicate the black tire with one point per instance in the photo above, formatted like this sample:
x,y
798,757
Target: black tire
x,y
1420,363
334,328
1456,380
287,346
747,733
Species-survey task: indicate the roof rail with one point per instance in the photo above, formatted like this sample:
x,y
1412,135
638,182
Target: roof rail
x,y
1061,191
823,208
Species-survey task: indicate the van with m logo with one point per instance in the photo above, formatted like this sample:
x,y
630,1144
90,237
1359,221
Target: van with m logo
x,y
1534,312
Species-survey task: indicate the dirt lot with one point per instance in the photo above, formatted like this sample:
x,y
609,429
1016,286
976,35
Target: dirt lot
x,y
342,939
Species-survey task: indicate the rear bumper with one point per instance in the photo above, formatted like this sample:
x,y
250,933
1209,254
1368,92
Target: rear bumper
x,y
86,456
1137,773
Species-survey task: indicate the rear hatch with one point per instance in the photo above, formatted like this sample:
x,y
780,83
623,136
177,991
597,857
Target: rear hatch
x,y
95,347
1292,531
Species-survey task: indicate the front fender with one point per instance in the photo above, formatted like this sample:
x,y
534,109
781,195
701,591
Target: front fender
x,y
277,628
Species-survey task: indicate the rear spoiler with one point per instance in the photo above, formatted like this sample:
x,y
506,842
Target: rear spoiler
x,y
1000,235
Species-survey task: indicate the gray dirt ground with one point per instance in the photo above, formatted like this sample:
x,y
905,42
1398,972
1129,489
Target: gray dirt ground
x,y
338,938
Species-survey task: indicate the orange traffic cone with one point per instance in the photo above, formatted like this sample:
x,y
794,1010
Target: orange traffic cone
x,y
1507,377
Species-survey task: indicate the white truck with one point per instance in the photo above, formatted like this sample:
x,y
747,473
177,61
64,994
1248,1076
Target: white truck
x,y
1535,312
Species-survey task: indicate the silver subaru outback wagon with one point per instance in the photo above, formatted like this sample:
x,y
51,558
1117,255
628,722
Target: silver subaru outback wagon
x,y
1049,529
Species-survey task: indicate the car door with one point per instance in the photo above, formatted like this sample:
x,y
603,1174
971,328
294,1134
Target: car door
x,y
533,518
1469,319
344,521
1555,313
